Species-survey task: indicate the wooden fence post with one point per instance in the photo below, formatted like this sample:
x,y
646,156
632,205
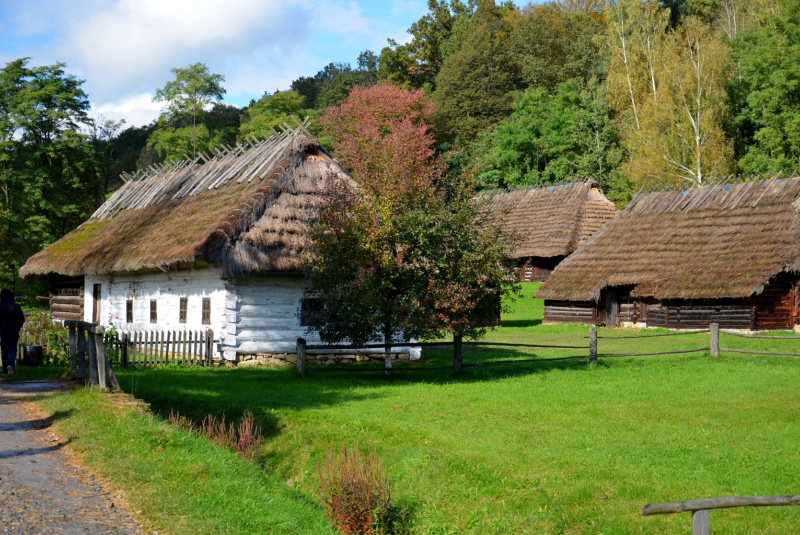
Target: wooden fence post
x,y
301,356
714,339
91,346
73,350
101,360
81,374
209,347
592,345
123,350
458,353
700,524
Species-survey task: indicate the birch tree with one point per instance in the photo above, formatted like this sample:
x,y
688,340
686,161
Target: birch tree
x,y
668,90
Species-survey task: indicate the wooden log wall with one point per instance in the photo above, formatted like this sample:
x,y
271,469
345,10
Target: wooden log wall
x,y
775,307
66,299
569,312
536,269
701,314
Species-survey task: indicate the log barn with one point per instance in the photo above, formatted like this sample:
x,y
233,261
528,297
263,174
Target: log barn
x,y
726,253
200,244
549,223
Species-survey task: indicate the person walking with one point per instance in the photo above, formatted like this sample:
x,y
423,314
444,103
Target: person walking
x,y
11,321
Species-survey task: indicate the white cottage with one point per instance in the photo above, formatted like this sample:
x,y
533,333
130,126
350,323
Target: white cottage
x,y
195,246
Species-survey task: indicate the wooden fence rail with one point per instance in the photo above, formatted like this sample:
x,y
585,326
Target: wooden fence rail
x,y
159,348
700,508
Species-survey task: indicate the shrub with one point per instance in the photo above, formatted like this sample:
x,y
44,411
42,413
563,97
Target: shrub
x,y
244,439
40,329
357,494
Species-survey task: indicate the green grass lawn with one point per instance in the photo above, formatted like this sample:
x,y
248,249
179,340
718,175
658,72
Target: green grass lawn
x,y
530,448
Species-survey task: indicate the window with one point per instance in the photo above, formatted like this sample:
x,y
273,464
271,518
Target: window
x,y
182,313
153,311
129,311
206,311
96,304
311,309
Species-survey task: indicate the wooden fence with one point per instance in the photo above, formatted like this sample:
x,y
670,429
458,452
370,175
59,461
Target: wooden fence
x,y
700,508
159,348
712,347
140,348
88,354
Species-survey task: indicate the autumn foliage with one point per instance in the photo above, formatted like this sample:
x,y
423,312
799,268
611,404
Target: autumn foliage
x,y
381,135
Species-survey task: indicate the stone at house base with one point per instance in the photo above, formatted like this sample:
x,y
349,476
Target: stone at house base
x,y
277,360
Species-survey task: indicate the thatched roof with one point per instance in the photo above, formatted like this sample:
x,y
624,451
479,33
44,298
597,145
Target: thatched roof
x,y
553,221
246,210
718,241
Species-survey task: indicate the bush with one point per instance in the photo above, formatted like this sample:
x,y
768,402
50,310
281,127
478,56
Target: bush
x,y
357,494
40,329
244,439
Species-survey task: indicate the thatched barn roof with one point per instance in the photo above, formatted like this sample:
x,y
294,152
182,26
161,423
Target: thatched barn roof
x,y
722,240
246,209
555,220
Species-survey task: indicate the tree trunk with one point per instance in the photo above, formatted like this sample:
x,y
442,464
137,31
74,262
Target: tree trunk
x,y
458,353
387,348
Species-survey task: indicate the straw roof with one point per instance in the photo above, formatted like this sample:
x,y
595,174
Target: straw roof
x,y
246,209
725,240
552,221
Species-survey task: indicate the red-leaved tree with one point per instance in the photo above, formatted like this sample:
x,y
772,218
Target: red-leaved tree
x,y
404,253
381,135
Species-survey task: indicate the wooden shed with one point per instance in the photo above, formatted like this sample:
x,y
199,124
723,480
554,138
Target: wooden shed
x,y
550,223
198,244
728,253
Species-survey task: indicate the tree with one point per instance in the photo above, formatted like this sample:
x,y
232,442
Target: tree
x,y
767,118
188,95
669,90
381,135
398,254
474,85
554,43
416,64
48,166
271,111
550,138
332,85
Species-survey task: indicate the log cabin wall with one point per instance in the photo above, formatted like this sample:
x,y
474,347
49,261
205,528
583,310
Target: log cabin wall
x,y
729,313
570,312
537,269
776,306
66,298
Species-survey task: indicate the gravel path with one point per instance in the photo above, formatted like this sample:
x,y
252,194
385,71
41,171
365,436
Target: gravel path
x,y
42,488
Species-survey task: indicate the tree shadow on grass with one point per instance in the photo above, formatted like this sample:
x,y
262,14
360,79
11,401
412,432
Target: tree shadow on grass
x,y
196,392
522,323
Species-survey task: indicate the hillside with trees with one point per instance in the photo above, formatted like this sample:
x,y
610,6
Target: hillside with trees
x,y
629,92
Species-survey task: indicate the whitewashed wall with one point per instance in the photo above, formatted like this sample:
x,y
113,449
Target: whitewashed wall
x,y
167,289
263,315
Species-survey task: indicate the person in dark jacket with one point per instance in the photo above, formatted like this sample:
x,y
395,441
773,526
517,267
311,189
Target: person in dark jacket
x,y
11,321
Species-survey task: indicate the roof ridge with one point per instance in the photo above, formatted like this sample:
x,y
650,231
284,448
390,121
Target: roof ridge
x,y
187,178
729,192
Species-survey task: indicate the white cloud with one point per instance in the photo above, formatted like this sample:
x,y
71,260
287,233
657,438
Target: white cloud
x,y
137,110
124,49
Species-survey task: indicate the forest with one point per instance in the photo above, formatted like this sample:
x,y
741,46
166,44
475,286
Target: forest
x,y
633,93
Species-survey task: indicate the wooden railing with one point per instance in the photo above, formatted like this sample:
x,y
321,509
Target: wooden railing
x,y
159,348
87,353
700,508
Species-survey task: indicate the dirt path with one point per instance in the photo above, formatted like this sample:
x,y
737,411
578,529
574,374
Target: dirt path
x,y
42,488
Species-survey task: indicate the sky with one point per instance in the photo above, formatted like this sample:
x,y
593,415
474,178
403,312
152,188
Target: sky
x,y
124,49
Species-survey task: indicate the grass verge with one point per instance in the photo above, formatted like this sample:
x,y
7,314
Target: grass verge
x,y
533,448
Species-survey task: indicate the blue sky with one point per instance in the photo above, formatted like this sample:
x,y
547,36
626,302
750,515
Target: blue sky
x,y
124,49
